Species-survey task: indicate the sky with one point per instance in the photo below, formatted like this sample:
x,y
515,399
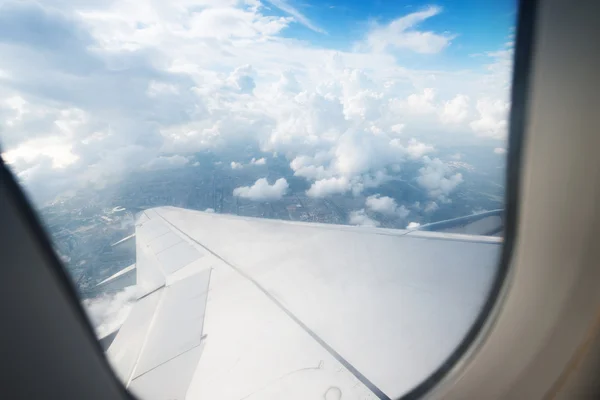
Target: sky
x,y
345,91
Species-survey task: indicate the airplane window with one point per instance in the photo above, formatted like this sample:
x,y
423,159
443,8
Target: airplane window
x,y
266,198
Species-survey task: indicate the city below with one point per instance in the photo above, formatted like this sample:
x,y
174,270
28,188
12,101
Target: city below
x,y
91,229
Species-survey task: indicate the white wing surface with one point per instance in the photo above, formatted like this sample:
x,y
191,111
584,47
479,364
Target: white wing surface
x,y
243,308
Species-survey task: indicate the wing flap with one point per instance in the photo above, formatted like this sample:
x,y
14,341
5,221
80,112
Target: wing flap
x,y
127,345
177,323
161,339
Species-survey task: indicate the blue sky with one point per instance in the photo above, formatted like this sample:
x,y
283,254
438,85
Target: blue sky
x,y
479,26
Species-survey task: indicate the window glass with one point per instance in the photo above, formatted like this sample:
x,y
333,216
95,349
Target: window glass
x,y
150,135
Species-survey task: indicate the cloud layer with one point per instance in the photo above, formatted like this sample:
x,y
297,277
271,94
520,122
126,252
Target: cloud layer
x,y
99,89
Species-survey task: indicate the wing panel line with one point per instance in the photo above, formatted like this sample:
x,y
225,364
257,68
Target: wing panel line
x,y
169,360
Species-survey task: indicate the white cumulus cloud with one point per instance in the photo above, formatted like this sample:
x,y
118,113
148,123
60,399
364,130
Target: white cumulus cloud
x,y
398,128
492,121
262,191
421,103
360,218
241,79
327,187
305,166
386,206
456,110
416,149
437,178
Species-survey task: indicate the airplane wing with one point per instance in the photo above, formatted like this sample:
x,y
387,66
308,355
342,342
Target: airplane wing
x,y
243,308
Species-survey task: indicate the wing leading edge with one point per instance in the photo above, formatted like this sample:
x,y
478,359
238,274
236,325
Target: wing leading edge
x,y
232,307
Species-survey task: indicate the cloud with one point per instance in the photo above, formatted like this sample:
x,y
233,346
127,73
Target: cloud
x,y
254,161
401,34
156,89
421,103
288,84
437,178
492,120
431,207
413,225
397,128
108,312
262,191
456,110
416,149
360,218
358,159
121,86
327,187
499,150
59,37
53,148
241,79
307,166
356,153
298,16
386,205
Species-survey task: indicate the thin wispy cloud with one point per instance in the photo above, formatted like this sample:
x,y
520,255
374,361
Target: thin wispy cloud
x,y
301,18
402,33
